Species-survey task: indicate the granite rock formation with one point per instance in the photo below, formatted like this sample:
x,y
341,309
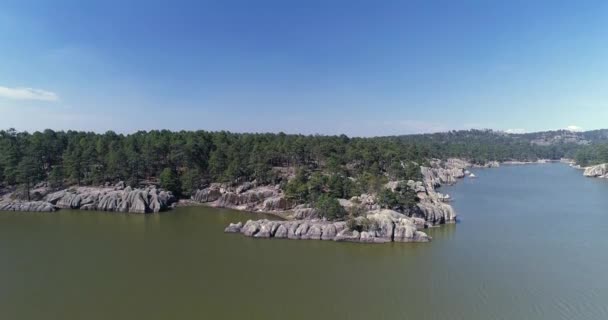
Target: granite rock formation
x,y
385,226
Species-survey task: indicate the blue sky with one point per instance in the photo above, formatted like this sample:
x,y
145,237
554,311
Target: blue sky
x,y
363,68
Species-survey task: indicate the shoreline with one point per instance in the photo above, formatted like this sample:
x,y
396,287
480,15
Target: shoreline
x,y
432,210
301,221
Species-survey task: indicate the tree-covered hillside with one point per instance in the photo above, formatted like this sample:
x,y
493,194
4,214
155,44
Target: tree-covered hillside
x,y
186,160
592,154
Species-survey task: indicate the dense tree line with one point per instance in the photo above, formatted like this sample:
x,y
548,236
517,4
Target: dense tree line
x,y
183,161
480,146
592,154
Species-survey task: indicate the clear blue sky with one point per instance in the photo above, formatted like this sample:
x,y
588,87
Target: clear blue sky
x,y
355,67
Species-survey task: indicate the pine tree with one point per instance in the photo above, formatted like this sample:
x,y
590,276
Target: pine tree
x,y
28,174
170,181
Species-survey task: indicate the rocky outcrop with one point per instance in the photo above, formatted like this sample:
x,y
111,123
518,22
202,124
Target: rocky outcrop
x,y
432,206
207,195
234,227
305,212
367,201
115,199
107,198
276,203
443,172
382,226
244,197
31,206
598,171
434,212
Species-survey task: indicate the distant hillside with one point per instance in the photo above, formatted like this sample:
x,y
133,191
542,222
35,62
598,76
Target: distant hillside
x,y
564,136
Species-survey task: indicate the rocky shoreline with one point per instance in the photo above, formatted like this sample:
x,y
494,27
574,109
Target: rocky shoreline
x,y
116,198
597,171
389,226
301,221
381,225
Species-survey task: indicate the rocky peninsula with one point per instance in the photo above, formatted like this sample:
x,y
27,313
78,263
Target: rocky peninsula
x,y
375,225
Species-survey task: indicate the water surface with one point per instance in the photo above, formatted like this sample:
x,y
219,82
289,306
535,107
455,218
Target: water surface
x,y
532,244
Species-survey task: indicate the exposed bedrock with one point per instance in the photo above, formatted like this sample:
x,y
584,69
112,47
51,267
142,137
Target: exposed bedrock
x,y
382,226
116,199
432,207
598,171
31,206
244,197
145,200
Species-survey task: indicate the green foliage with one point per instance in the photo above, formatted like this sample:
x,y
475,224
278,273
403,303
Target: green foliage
x,y
190,181
401,199
336,165
56,177
371,183
592,155
28,173
170,181
330,208
307,187
340,186
297,188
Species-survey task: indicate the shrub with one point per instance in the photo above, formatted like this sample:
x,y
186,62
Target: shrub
x,y
170,181
401,199
330,208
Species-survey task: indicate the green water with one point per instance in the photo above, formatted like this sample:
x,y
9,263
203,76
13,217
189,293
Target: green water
x,y
532,244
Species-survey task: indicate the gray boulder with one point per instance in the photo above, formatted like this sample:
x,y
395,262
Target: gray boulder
x,y
250,228
348,235
207,195
281,231
598,171
234,227
29,206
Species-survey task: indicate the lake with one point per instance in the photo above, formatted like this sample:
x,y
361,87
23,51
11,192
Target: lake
x,y
532,243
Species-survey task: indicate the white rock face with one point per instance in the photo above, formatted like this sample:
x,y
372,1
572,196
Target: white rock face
x,y
443,172
432,206
208,194
598,171
385,226
244,197
145,200
31,206
116,199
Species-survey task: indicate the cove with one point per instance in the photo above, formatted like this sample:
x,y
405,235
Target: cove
x,y
531,244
